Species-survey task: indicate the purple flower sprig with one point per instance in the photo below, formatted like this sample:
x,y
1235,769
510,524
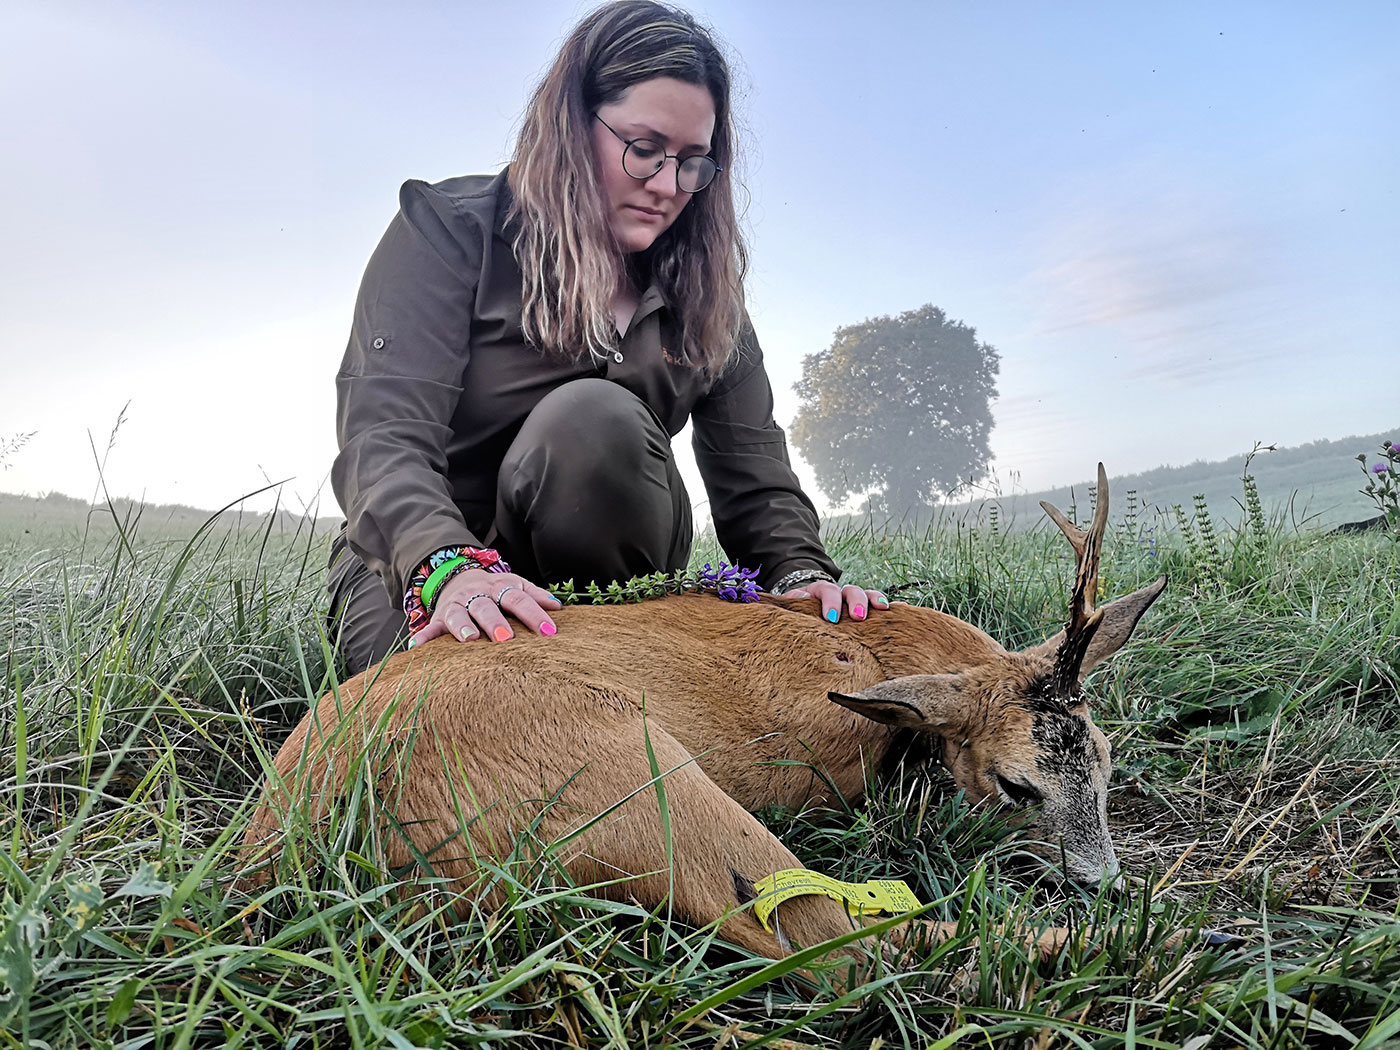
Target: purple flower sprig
x,y
1380,468
730,582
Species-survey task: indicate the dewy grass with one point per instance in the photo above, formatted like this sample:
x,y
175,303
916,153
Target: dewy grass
x,y
1255,721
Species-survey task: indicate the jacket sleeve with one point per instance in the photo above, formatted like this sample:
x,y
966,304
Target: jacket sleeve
x,y
399,385
762,517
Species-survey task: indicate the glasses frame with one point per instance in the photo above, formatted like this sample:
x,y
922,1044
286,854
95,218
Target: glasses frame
x,y
627,146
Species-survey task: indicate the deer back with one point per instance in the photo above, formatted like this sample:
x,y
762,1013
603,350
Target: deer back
x,y
741,685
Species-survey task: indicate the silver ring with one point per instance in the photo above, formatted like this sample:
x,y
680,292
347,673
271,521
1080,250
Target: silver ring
x,y
467,604
501,596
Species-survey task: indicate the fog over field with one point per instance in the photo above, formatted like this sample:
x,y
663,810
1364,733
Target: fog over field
x,y
1178,225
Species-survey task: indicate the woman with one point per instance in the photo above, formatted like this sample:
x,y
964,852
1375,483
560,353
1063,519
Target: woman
x,y
525,345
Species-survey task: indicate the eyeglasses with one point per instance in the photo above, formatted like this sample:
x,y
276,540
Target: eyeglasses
x,y
643,158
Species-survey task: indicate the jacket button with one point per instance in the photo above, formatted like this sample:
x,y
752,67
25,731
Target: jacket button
x,y
378,343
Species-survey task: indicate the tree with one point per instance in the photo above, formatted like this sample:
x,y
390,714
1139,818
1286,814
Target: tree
x,y
899,408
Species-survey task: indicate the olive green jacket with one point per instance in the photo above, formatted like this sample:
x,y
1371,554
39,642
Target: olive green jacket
x,y
438,378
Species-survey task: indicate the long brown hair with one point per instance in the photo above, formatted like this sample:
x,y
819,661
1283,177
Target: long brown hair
x,y
572,264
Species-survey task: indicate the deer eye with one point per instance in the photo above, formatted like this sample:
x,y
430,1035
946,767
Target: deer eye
x,y
1021,794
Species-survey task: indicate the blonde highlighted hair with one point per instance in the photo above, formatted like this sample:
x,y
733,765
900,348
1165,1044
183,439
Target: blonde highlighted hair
x,y
571,263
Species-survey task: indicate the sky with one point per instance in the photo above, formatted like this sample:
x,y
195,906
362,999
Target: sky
x,y
1179,224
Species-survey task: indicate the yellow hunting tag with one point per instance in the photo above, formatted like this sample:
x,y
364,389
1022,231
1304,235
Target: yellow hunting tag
x,y
860,898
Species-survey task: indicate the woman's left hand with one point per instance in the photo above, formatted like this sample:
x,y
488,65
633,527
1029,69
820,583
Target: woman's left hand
x,y
857,600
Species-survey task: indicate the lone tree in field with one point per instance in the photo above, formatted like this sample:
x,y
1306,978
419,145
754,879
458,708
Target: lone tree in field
x,y
898,407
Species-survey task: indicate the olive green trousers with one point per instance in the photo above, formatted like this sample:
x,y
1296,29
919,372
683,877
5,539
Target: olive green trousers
x,y
588,491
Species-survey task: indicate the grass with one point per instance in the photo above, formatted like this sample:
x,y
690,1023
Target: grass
x,y
1255,721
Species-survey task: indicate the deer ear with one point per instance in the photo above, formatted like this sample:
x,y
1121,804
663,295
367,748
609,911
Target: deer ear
x,y
919,701
1120,618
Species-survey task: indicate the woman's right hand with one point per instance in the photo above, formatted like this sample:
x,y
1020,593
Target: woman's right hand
x,y
473,604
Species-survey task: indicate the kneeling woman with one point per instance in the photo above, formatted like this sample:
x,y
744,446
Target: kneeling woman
x,y
526,344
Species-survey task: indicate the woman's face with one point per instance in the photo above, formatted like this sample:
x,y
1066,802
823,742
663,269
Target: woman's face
x,y
681,117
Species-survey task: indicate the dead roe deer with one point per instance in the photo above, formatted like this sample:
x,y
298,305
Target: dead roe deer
x,y
474,744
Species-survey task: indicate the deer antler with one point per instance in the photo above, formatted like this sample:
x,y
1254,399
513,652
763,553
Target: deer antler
x,y
1083,617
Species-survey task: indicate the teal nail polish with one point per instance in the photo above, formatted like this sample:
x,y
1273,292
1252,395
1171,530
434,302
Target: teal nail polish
x,y
832,615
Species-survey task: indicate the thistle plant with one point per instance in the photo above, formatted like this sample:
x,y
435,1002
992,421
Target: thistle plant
x,y
1383,485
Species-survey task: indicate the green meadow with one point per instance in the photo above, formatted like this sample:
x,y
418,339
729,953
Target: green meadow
x,y
151,667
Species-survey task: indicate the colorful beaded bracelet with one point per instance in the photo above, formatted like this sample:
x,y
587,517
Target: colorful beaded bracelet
x,y
439,567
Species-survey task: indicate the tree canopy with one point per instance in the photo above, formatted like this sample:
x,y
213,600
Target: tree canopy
x,y
898,408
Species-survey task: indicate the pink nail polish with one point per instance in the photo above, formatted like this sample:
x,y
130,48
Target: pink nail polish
x,y
858,612
548,628
501,633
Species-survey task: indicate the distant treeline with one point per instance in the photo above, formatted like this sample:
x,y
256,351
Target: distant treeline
x,y
56,513
1315,485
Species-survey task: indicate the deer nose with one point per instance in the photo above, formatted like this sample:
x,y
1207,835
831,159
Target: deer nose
x,y
1091,876
1112,873
1093,880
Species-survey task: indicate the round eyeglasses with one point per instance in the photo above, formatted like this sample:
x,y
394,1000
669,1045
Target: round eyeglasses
x,y
643,158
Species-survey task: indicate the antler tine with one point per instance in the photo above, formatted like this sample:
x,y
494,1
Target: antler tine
x,y
1093,544
1083,618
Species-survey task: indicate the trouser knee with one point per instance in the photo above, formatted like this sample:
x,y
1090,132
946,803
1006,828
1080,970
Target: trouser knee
x,y
589,489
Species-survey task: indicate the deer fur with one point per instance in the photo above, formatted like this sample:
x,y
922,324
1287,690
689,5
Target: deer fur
x,y
739,706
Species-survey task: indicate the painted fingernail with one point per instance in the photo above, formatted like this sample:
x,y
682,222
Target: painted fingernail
x,y
548,628
858,612
832,615
501,633
413,641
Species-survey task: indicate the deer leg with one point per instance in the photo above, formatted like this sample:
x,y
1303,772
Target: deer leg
x,y
572,780
581,790
717,849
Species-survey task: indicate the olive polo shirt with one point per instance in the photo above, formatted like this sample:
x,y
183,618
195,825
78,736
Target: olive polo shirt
x,y
438,378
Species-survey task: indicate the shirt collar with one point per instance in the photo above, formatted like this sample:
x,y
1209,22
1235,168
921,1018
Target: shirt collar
x,y
652,299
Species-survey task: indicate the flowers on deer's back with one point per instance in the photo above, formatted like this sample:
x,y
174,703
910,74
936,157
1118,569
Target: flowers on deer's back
x,y
730,582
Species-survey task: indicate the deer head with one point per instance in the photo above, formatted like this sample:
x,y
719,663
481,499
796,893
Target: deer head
x,y
1017,728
